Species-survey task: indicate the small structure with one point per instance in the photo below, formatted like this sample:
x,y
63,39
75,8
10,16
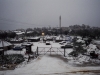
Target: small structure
x,y
4,45
1,50
68,38
48,38
26,43
59,39
28,49
97,43
35,39
13,41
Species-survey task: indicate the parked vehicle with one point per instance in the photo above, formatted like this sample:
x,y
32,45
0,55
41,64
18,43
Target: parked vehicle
x,y
67,45
47,42
62,43
17,48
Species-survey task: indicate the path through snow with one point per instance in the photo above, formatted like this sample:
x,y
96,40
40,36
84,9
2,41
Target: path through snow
x,y
45,65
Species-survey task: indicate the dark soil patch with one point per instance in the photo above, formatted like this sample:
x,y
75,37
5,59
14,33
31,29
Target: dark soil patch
x,y
7,67
86,64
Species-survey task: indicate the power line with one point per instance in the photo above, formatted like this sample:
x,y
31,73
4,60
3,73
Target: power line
x,y
9,20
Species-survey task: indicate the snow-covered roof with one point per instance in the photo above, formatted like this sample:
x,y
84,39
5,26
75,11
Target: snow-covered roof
x,y
34,38
79,40
16,31
59,38
29,31
92,47
19,39
27,43
5,43
19,33
68,38
79,37
48,37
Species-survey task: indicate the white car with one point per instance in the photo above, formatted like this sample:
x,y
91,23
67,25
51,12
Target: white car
x,y
47,42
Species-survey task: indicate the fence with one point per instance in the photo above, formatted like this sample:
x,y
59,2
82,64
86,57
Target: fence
x,y
50,50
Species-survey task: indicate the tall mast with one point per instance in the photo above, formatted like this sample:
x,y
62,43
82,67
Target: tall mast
x,y
60,22
60,25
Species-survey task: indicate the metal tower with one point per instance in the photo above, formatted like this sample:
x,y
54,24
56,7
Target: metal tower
x,y
60,22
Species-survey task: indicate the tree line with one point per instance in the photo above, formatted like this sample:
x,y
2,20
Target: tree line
x,y
92,33
6,35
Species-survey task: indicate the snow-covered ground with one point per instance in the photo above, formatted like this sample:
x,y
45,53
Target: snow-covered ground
x,y
50,64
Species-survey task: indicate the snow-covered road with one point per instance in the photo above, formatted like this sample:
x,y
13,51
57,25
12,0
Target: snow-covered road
x,y
48,65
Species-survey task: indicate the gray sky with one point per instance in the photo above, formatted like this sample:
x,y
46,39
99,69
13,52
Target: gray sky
x,y
16,14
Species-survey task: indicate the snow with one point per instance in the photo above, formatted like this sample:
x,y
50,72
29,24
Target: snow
x,y
19,33
48,37
34,38
79,37
59,38
82,41
46,65
96,41
51,64
29,31
92,47
5,43
15,52
68,38
19,39
43,65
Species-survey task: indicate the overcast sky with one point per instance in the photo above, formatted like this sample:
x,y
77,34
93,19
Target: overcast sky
x,y
16,14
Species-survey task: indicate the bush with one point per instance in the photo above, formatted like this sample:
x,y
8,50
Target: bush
x,y
78,49
12,59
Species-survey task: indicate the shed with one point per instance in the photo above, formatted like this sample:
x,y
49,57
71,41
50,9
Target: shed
x,y
1,50
7,45
59,39
28,49
34,39
16,40
48,38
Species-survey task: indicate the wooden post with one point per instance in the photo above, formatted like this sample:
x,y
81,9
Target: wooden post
x,y
44,51
64,52
57,51
37,51
50,51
